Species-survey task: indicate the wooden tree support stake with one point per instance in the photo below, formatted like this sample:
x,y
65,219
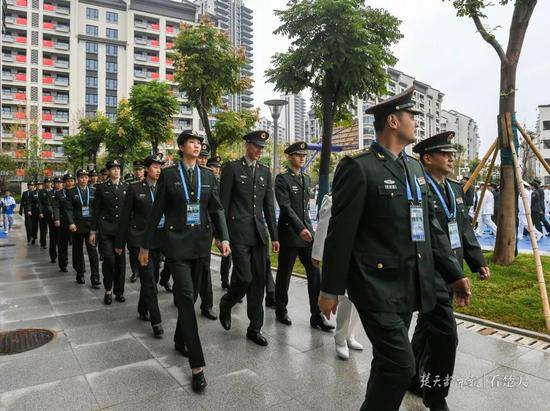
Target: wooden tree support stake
x,y
480,165
534,245
482,195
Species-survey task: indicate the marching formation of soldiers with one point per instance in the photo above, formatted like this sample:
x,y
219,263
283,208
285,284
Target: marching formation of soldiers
x,y
391,237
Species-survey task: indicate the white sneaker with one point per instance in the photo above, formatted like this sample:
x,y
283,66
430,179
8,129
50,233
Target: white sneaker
x,y
342,351
354,344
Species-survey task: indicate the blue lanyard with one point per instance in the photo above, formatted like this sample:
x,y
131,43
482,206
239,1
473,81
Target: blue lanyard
x,y
152,195
450,216
185,191
87,196
410,197
64,194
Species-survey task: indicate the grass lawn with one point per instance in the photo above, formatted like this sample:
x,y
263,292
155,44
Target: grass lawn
x,y
510,297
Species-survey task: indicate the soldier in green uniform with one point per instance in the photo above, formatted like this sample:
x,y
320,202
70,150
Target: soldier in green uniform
x,y
247,198
46,197
435,336
293,192
383,241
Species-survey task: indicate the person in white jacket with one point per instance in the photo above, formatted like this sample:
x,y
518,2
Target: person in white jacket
x,y
522,216
486,212
347,317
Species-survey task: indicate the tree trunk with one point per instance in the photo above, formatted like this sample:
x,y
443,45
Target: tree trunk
x,y
505,246
324,167
155,146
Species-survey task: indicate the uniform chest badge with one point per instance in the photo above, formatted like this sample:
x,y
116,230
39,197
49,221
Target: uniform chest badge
x,y
421,180
142,195
389,182
243,176
261,178
459,200
177,183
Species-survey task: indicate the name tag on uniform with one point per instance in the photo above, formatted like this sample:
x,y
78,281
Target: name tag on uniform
x,y
141,195
417,224
421,181
161,222
454,235
193,214
85,212
459,201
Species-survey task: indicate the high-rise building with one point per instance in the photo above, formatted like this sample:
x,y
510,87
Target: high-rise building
x,y
267,125
542,141
65,59
427,99
293,117
466,132
312,127
235,19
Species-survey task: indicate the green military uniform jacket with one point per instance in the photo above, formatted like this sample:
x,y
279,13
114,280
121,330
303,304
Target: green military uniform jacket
x,y
369,251
293,192
247,198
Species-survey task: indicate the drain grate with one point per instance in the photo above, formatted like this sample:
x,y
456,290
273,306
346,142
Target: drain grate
x,y
18,341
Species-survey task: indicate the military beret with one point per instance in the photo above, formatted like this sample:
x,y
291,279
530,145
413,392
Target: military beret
x,y
258,137
47,180
113,163
186,135
441,143
155,158
205,150
81,172
400,102
68,176
215,161
300,147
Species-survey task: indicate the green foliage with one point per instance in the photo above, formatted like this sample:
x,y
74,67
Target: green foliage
x,y
92,132
74,151
126,137
7,169
231,126
470,8
153,105
207,68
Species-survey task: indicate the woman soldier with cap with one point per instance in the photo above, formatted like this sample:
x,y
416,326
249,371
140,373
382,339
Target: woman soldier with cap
x,y
188,204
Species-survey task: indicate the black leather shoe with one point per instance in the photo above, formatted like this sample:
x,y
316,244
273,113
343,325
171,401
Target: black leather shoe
x,y
33,242
270,302
182,349
258,338
158,331
53,261
199,382
166,286
225,316
108,299
414,388
95,282
144,317
209,314
80,280
64,270
318,321
133,278
440,405
225,286
284,319
120,298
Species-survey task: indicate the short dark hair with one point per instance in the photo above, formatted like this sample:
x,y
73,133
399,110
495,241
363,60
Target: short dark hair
x,y
380,123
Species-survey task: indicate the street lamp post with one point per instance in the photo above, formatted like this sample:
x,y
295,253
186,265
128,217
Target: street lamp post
x,y
275,107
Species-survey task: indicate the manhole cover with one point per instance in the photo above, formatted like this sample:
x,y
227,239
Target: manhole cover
x,y
15,342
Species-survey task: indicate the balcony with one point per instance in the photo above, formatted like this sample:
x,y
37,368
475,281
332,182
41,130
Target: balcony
x,y
51,8
169,77
46,135
47,80
61,99
16,21
47,98
61,81
61,119
146,42
20,96
20,115
20,134
169,45
61,46
7,95
17,3
7,57
146,74
7,115
47,116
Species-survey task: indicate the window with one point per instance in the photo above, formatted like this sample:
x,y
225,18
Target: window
x,y
90,113
92,14
91,81
112,51
546,125
112,33
91,64
112,17
111,117
112,84
91,99
92,30
91,47
112,67
110,101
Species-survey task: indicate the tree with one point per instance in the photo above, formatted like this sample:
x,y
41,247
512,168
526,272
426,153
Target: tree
x,y
126,137
7,168
231,126
153,106
73,147
92,132
207,68
339,50
505,245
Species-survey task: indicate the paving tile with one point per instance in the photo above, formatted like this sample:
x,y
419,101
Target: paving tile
x,y
131,382
535,363
37,369
101,356
69,394
173,400
489,348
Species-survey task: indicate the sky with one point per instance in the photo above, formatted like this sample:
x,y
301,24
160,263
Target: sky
x,y
442,50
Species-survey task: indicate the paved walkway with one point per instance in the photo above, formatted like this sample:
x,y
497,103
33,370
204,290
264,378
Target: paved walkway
x,y
104,357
